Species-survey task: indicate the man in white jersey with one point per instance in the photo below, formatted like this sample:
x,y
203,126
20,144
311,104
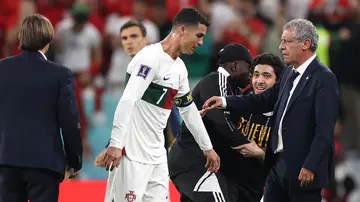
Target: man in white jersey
x,y
156,77
133,37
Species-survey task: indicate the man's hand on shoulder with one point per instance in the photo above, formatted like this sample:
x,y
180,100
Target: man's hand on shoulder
x,y
112,157
211,103
212,160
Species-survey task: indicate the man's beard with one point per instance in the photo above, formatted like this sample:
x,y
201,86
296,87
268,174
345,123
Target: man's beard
x,y
239,81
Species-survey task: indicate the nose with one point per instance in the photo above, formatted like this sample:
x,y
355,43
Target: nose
x,y
128,42
260,80
281,46
200,42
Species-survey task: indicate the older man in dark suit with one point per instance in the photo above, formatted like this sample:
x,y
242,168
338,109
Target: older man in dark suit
x,y
305,103
36,102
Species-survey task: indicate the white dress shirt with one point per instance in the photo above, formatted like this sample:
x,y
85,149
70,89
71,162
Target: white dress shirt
x,y
43,55
301,69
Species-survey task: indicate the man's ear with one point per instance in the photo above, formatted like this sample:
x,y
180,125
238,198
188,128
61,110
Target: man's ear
x,y
182,30
306,44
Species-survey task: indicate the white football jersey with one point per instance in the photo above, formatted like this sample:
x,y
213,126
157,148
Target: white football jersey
x,y
154,80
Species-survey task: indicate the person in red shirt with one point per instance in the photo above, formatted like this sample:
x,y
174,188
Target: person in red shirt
x,y
10,13
248,30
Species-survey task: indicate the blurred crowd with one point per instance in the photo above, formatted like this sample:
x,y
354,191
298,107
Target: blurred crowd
x,y
87,41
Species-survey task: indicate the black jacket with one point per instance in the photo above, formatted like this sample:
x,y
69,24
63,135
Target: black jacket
x,y
37,105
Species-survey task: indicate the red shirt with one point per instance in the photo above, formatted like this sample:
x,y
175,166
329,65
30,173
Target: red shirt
x,y
174,6
122,7
255,25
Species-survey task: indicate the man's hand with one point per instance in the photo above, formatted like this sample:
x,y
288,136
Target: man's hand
x,y
212,103
250,150
306,176
212,160
112,157
99,159
70,173
202,113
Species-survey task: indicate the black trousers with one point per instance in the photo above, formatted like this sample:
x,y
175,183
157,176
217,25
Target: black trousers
x,y
279,189
18,184
195,187
201,187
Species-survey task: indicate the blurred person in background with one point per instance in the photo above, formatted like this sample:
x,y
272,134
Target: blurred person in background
x,y
119,57
248,29
35,154
275,10
9,21
78,46
159,17
346,67
133,38
18,10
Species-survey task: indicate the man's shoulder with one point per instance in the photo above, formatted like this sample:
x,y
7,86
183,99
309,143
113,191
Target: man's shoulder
x,y
58,68
324,72
212,76
9,59
208,80
149,53
148,56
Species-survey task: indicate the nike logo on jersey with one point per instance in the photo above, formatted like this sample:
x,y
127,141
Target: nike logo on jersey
x,y
166,78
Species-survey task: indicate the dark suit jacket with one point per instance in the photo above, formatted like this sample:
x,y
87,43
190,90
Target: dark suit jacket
x,y
36,101
308,125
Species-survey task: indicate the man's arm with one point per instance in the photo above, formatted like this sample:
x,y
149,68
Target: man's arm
x,y
260,103
326,109
69,119
141,77
226,129
251,103
192,119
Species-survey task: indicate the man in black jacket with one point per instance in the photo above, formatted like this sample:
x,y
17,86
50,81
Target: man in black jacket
x,y
36,102
186,161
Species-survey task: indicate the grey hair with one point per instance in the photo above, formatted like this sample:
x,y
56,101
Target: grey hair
x,y
304,29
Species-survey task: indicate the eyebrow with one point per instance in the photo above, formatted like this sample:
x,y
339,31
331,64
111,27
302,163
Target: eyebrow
x,y
264,73
200,34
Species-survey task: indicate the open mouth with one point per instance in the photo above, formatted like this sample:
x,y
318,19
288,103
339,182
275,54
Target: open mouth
x,y
260,88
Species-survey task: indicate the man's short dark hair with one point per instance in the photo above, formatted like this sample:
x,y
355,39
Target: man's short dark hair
x,y
134,23
35,33
190,16
269,59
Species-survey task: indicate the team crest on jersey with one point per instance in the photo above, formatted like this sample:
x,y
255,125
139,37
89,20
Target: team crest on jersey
x,y
144,71
178,101
130,197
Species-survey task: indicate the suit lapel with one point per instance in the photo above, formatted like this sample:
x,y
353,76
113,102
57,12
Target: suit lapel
x,y
303,81
286,77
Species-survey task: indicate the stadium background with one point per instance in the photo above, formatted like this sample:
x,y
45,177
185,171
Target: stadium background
x,y
254,23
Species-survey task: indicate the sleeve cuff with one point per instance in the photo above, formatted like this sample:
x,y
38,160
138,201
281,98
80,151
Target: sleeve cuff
x,y
115,144
208,148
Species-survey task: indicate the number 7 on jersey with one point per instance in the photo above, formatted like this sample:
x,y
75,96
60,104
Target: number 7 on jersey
x,y
162,95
